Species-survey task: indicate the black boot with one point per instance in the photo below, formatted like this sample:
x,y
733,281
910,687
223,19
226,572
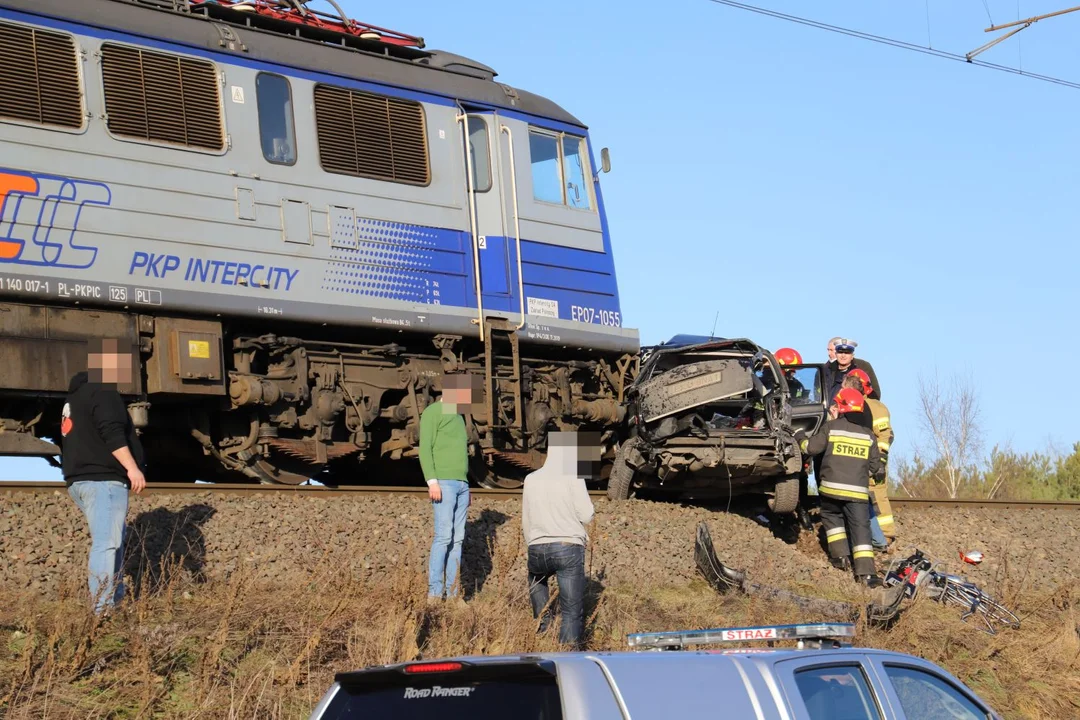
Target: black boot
x,y
871,581
804,520
843,563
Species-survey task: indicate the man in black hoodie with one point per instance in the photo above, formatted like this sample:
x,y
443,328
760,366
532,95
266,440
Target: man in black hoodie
x,y
102,459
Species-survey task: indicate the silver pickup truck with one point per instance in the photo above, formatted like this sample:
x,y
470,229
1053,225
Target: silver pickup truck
x,y
822,678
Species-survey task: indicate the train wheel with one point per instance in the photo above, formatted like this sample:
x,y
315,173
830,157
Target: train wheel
x,y
282,469
500,476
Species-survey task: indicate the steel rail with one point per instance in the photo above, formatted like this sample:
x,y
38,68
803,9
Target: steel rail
x,y
255,489
976,503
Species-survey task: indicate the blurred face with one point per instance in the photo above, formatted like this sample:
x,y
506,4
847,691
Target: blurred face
x,y
581,456
461,393
109,363
831,349
844,358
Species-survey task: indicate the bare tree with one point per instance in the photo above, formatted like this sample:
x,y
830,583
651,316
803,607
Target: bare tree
x,y
950,420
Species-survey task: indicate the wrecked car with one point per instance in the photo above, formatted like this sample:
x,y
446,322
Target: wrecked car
x,y
713,418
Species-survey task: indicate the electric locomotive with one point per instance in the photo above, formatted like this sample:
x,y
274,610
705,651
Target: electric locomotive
x,y
301,223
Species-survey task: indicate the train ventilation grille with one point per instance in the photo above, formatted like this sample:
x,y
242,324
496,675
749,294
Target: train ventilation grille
x,y
39,77
162,98
371,136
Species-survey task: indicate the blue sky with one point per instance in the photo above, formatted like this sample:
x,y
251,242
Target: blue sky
x,y
807,185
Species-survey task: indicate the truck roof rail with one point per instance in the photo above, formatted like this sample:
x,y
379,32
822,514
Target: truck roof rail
x,y
806,634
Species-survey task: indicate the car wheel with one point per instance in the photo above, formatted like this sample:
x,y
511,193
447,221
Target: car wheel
x,y
785,497
622,475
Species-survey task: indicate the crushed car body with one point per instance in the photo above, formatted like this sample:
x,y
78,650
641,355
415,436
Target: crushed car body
x,y
709,417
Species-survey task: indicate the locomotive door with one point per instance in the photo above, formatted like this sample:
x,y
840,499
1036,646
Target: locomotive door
x,y
490,184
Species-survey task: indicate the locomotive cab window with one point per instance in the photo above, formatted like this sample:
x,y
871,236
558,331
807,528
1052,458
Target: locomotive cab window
x,y
479,154
560,172
276,129
39,78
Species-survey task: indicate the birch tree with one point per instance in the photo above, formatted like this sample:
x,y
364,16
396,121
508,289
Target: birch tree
x,y
950,419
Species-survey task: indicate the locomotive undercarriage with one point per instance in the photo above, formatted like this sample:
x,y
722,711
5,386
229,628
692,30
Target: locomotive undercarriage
x,y
214,404
342,412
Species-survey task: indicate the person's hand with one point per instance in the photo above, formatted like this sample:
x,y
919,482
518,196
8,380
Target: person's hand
x,y
834,412
137,479
434,492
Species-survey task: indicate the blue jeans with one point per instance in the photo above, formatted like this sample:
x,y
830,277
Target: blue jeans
x,y
566,561
450,515
105,505
877,537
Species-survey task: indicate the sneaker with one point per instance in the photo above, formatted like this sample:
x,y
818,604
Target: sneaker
x,y
434,601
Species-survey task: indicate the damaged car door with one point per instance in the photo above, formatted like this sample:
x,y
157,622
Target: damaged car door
x,y
806,396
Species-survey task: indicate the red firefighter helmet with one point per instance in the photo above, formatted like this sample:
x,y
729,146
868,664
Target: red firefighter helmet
x,y
863,378
788,356
849,400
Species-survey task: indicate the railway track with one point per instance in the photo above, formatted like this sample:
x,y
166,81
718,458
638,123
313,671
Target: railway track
x,y
254,489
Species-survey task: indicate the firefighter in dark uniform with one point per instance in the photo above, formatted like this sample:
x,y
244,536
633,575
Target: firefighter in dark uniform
x,y
849,458
881,424
790,356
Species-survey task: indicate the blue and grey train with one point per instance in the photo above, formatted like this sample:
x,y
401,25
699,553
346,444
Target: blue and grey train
x,y
301,225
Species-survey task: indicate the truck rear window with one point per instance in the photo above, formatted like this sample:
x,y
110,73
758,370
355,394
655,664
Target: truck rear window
x,y
449,698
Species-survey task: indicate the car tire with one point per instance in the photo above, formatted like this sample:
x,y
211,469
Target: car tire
x,y
622,475
785,497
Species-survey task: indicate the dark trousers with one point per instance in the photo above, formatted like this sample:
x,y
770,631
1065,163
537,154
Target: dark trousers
x,y
841,518
566,561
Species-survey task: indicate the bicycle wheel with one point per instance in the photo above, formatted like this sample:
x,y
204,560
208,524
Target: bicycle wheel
x,y
953,592
996,612
973,600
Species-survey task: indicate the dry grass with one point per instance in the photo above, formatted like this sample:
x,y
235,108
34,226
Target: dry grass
x,y
236,649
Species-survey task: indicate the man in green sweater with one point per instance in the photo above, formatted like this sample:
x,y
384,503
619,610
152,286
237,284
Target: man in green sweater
x,y
444,458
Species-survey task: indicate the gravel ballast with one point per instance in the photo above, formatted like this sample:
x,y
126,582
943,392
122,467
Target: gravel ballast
x,y
43,540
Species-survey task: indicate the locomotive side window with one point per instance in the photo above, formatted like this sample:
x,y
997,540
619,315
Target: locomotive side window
x,y
371,136
162,98
480,152
276,129
577,191
546,173
559,171
39,77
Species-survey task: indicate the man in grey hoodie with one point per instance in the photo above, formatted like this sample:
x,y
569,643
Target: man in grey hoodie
x,y
555,507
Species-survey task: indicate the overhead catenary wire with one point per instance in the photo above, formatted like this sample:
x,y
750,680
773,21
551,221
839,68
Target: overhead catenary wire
x,y
892,42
